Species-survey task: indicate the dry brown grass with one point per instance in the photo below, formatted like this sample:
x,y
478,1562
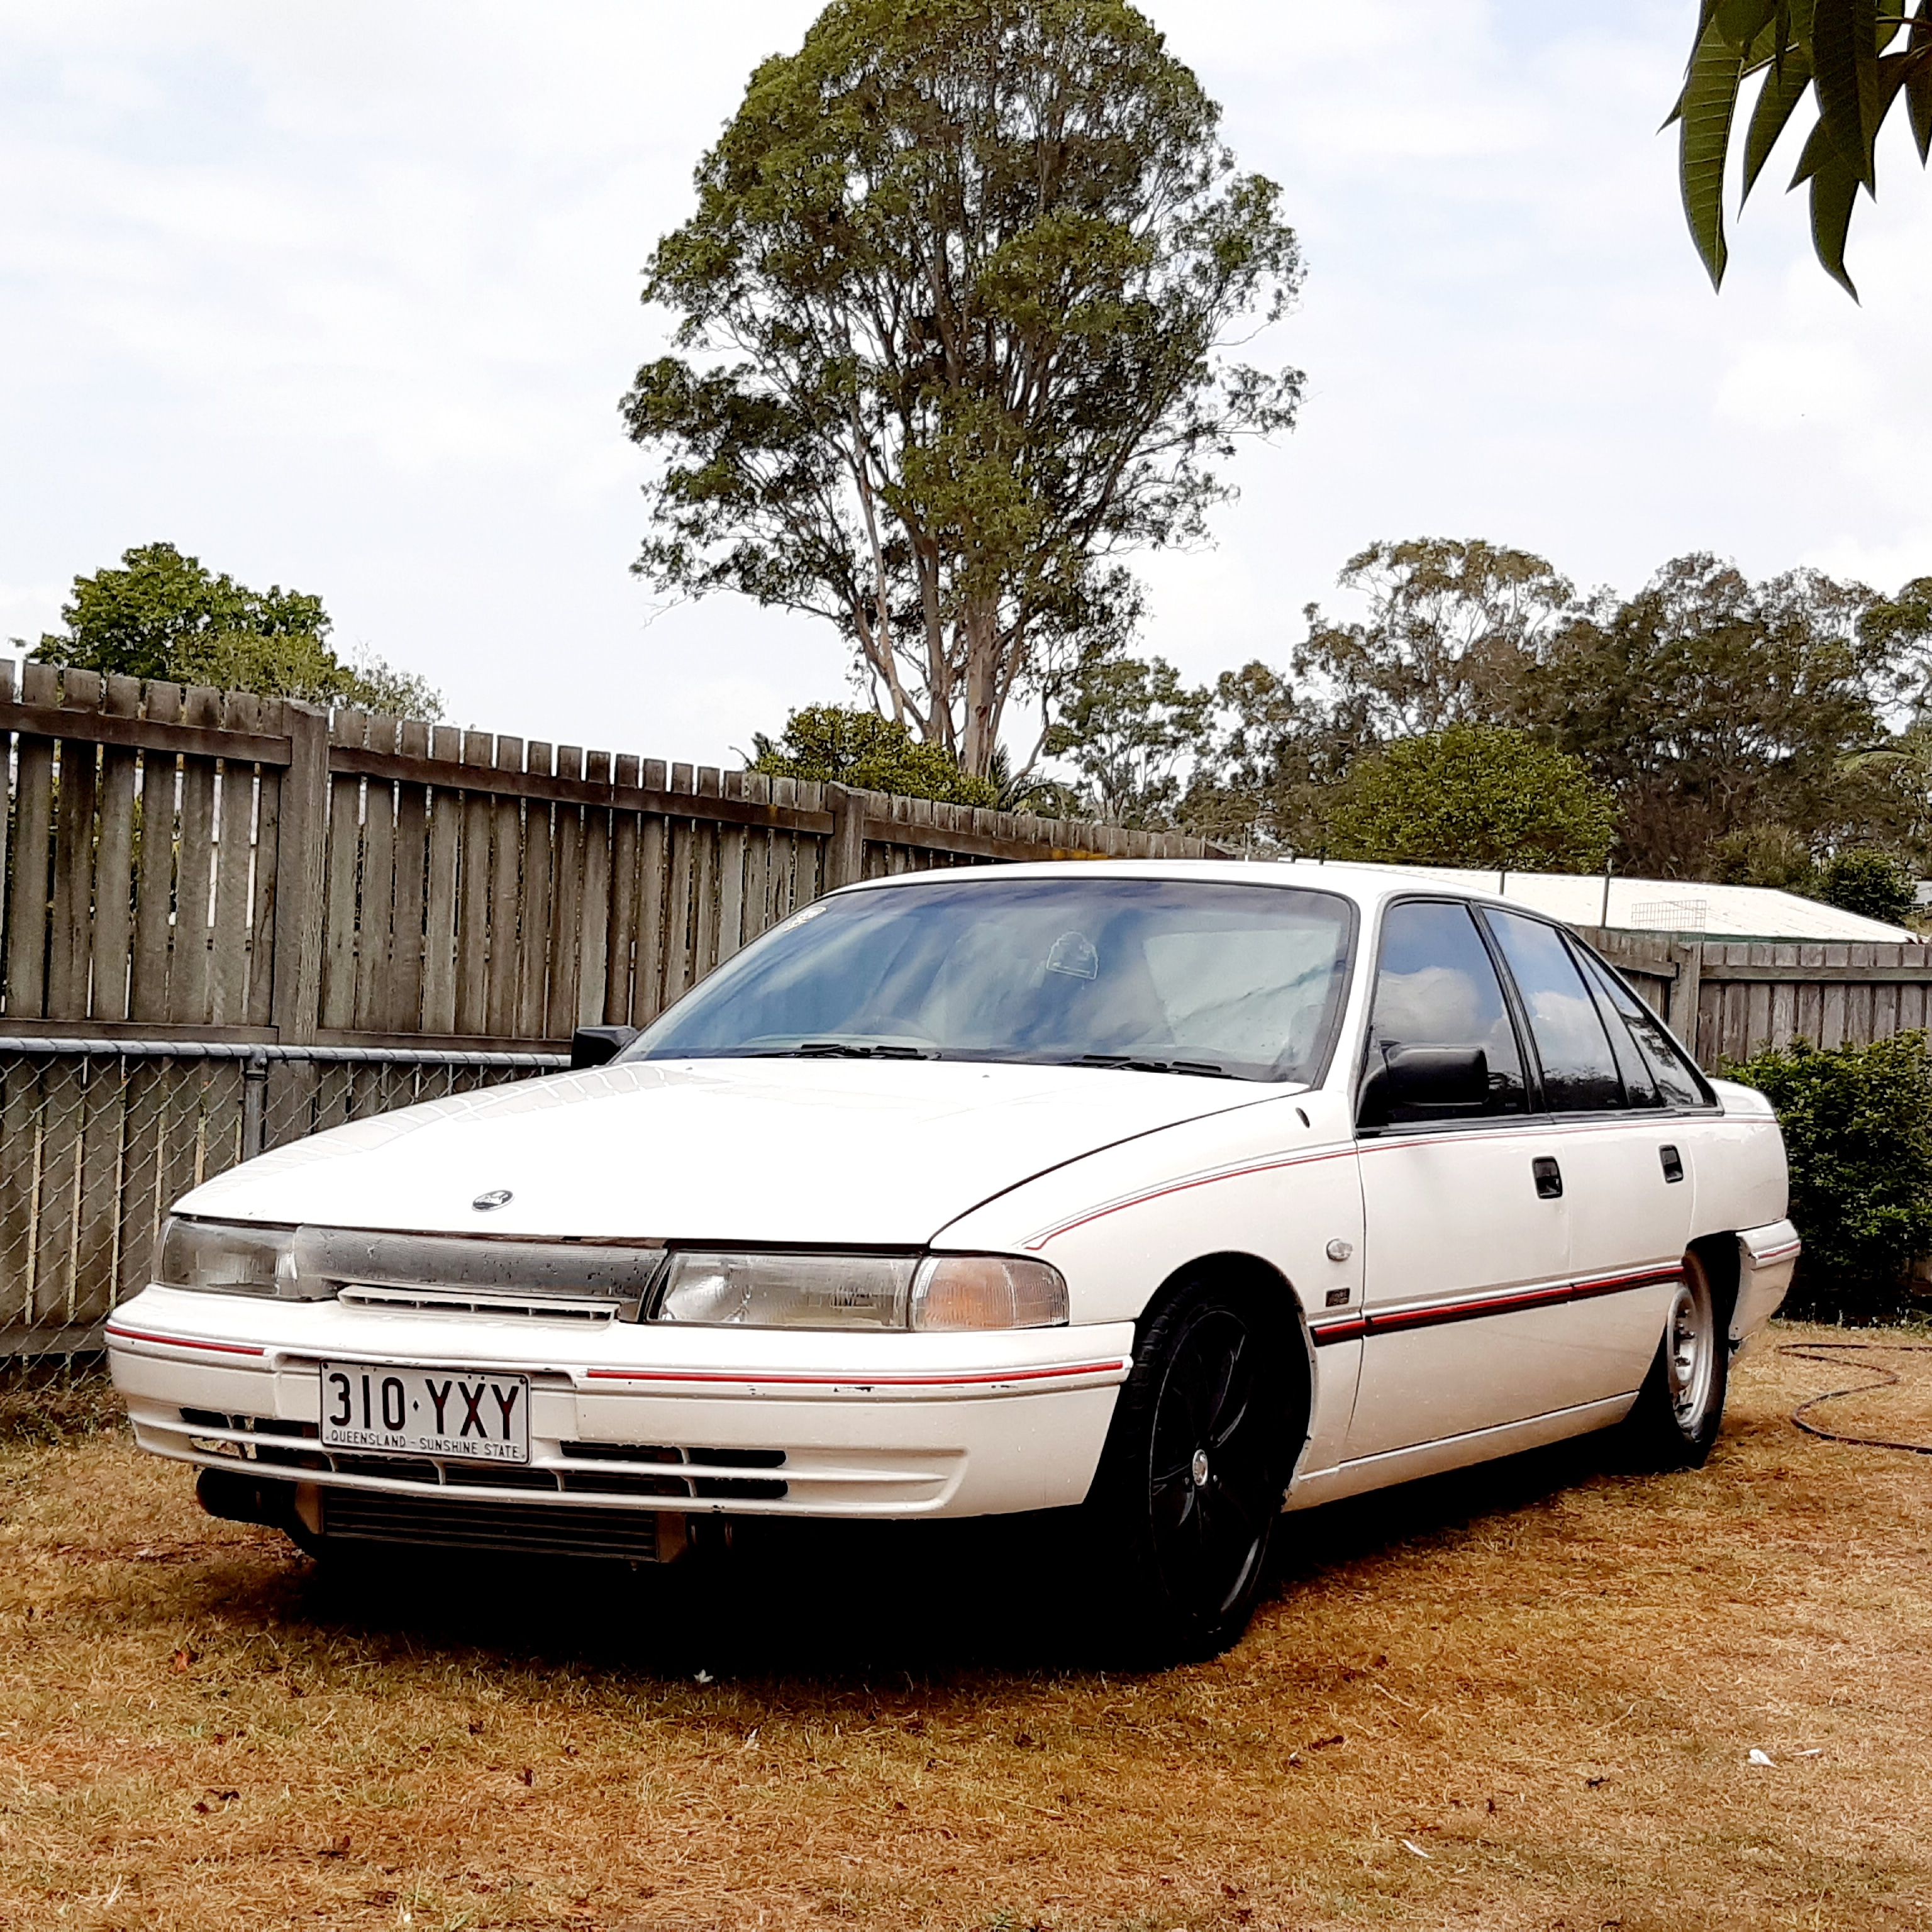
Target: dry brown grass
x,y
1546,1678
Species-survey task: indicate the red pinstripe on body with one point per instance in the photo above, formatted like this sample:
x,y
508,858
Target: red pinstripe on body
x,y
1436,1314
184,1342
859,1379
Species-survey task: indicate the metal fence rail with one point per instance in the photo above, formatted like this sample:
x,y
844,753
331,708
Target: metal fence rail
x,y
98,1137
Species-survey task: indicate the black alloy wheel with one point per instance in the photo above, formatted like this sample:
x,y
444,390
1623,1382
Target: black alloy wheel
x,y
1191,1484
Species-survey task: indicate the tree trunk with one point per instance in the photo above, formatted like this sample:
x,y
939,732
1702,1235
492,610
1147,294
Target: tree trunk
x,y
984,691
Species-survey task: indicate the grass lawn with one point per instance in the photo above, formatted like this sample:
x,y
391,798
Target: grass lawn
x,y
1523,1697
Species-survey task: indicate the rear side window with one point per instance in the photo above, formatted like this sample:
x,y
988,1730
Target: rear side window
x,y
1579,1071
1436,985
1680,1083
1640,1087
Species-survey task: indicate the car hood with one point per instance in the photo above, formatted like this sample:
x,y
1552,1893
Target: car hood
x,y
764,1151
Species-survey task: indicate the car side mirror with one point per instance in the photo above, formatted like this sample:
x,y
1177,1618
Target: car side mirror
x,y
1425,1083
592,1046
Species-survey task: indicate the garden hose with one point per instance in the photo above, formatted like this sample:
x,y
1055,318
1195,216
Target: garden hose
x,y
1809,1351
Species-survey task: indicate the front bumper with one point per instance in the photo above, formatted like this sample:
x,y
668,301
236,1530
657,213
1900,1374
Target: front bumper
x,y
626,1417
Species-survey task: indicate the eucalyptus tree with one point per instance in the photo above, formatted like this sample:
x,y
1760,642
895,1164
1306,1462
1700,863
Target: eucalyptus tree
x,y
953,319
1847,56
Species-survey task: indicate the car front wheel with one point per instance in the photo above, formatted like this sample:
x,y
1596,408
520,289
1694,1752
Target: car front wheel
x,y
1190,1486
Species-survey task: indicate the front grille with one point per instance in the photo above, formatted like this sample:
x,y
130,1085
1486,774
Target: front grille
x,y
435,1301
371,1516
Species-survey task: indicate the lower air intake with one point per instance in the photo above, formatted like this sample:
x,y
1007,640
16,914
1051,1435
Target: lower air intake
x,y
447,1523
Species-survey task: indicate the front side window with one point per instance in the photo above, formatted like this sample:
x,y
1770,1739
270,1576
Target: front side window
x,y
1436,986
1170,975
1579,1071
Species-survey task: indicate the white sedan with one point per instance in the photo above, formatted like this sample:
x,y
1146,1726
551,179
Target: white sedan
x,y
1176,1194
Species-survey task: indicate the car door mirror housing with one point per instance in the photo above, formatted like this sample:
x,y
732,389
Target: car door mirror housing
x,y
593,1046
1414,1084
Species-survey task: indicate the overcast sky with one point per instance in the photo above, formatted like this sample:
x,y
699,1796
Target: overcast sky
x,y
343,299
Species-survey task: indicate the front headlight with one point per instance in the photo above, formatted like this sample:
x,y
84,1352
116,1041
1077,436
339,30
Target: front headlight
x,y
943,1292
233,1258
752,1291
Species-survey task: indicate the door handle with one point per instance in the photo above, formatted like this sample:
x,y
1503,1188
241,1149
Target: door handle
x,y
1673,1163
1549,1178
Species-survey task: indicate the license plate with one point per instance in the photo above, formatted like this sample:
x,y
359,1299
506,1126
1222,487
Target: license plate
x,y
405,1412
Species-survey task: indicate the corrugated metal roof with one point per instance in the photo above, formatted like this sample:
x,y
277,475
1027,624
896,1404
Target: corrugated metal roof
x,y
1690,907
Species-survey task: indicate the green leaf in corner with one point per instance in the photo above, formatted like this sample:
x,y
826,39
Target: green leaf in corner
x,y
1834,187
1918,79
1777,99
1919,102
1709,98
1817,151
1741,21
1844,52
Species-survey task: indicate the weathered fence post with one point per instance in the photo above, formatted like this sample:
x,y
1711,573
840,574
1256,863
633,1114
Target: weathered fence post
x,y
845,854
300,858
254,1093
1685,993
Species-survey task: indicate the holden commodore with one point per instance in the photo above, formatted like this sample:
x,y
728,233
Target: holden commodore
x,y
1176,1194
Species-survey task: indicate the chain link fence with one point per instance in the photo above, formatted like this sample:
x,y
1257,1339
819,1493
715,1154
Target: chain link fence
x,y
99,1138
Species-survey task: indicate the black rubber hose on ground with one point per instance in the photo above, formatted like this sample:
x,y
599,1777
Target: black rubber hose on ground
x,y
1810,1352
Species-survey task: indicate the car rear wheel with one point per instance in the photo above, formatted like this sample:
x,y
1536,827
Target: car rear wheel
x,y
1681,1407
1190,1485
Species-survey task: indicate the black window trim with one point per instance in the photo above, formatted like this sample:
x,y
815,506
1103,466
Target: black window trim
x,y
1623,1110
1618,1028
1710,1103
1534,1115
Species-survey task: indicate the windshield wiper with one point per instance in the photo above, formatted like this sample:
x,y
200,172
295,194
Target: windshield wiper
x,y
1134,1064
839,1049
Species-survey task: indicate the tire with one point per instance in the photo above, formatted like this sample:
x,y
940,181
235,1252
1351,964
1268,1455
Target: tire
x,y
1191,1481
1681,1406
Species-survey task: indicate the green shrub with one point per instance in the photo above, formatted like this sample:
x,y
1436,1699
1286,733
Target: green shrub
x,y
1873,884
849,744
1858,1129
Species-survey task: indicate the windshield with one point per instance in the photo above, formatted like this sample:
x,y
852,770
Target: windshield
x,y
1169,975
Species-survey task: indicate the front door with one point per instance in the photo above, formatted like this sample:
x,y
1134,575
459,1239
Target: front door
x,y
1466,1256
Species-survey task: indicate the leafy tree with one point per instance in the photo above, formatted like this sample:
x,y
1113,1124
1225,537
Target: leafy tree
x,y
1765,855
1454,632
1873,884
854,746
1128,727
1474,795
954,303
1741,726
163,615
1843,53
1709,704
1858,1132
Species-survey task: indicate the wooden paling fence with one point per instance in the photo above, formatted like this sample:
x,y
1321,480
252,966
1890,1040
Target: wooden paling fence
x,y
237,868
1725,1001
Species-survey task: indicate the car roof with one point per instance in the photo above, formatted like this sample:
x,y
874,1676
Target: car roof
x,y
1367,886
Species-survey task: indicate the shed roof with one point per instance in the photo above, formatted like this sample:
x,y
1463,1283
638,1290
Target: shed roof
x,y
1686,908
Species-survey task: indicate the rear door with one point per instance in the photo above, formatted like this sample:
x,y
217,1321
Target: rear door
x,y
1620,1157
1463,1255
